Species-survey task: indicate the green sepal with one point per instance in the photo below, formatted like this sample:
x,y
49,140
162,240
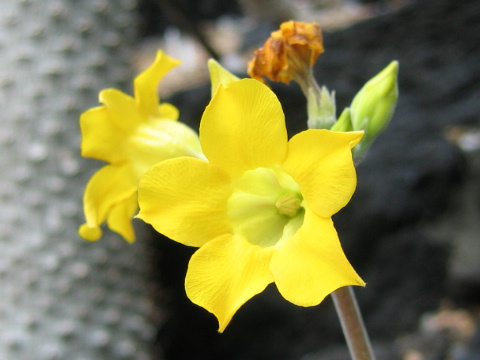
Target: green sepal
x,y
219,75
321,108
344,122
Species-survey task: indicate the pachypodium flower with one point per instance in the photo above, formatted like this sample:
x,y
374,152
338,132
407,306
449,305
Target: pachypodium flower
x,y
131,134
260,208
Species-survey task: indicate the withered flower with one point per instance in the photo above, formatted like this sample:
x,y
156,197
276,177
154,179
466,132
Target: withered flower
x,y
289,54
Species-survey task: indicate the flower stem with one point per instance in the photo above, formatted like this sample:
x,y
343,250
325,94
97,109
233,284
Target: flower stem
x,y
352,324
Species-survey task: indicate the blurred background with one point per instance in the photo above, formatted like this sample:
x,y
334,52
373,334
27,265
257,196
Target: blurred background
x,y
412,230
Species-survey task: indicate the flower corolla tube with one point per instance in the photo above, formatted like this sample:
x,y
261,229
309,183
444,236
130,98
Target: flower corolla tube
x,y
131,134
259,208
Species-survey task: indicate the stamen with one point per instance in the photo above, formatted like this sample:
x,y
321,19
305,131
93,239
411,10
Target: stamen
x,y
288,204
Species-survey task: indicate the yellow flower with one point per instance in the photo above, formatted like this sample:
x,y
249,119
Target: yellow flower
x,y
132,134
260,209
289,53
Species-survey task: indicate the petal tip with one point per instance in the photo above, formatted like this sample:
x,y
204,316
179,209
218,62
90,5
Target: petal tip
x,y
223,322
160,54
221,327
90,233
357,139
129,239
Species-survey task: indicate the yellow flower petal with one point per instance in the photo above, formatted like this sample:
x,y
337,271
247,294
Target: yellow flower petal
x,y
186,200
90,233
226,272
107,188
243,127
321,162
122,110
168,111
146,84
121,215
100,136
158,140
311,265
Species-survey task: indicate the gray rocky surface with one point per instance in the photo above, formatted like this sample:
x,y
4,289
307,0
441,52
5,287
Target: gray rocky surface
x,y
61,297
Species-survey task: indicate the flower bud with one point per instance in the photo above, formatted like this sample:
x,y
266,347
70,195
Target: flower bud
x,y
373,106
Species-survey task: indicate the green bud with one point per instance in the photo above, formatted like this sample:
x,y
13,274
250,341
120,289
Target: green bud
x,y
344,122
219,75
373,106
321,108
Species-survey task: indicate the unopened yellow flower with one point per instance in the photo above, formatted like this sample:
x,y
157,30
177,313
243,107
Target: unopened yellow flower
x,y
132,134
260,209
289,53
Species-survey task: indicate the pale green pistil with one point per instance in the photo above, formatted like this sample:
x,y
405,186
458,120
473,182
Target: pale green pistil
x,y
265,206
288,204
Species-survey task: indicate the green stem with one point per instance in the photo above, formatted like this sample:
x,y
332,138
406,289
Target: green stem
x,y
307,82
352,324
320,103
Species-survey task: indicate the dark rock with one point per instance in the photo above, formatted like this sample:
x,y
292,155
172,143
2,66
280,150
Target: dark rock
x,y
472,349
459,225
405,275
430,346
382,351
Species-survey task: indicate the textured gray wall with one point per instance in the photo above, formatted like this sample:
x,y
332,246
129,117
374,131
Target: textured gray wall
x,y
61,297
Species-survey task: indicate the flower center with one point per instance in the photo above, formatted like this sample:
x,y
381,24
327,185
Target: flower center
x,y
266,206
288,204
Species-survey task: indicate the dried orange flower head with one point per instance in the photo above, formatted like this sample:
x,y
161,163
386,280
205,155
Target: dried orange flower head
x,y
289,53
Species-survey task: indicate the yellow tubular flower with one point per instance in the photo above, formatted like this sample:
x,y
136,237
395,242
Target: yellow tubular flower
x,y
260,209
131,134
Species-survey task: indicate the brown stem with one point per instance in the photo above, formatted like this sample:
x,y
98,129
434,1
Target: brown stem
x,y
352,324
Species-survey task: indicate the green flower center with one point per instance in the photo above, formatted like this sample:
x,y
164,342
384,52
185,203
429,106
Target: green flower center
x,y
266,206
288,204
